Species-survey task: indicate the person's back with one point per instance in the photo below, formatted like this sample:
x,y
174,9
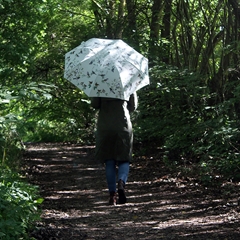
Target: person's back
x,y
114,115
114,140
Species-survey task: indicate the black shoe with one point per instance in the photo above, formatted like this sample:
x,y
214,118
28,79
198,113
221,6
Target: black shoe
x,y
121,192
113,198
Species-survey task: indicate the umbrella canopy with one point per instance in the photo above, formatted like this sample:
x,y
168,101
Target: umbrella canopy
x,y
106,68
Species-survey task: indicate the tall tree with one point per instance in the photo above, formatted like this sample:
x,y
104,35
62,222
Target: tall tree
x,y
110,16
132,28
166,31
156,13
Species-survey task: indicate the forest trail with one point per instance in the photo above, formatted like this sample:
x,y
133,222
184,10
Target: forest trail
x,y
160,205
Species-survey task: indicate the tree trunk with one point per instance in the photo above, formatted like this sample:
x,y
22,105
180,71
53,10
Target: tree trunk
x,y
132,30
166,31
186,36
120,20
236,11
155,29
110,19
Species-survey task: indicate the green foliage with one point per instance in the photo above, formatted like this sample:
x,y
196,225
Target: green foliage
x,y
190,110
10,142
13,124
18,206
53,121
18,200
179,113
20,33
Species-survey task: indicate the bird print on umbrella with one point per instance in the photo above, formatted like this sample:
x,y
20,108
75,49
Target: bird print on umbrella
x,y
106,68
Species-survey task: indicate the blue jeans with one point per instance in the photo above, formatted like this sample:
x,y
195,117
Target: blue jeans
x,y
110,168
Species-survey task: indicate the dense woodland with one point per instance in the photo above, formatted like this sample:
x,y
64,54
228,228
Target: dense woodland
x,y
190,112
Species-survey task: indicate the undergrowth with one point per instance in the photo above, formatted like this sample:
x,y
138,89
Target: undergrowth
x,y
18,206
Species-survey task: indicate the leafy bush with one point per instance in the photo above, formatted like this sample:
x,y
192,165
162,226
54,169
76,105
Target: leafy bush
x,y
18,199
180,114
18,206
10,142
67,130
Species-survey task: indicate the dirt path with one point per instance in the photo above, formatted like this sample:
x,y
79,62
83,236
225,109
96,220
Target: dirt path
x,y
160,205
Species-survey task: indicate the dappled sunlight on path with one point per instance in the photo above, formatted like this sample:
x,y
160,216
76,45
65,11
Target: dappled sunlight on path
x,y
159,206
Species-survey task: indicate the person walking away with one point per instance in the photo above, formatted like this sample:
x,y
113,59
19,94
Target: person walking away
x,y
114,140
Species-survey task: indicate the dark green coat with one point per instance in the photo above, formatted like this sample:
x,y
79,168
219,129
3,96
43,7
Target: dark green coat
x,y
114,135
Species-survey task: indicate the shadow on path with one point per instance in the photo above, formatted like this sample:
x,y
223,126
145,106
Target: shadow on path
x,y
159,206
